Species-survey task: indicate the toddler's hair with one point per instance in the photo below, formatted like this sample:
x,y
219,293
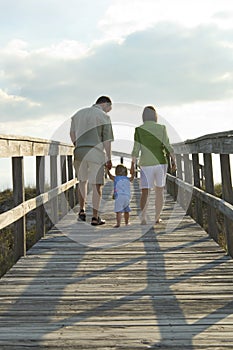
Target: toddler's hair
x,y
121,170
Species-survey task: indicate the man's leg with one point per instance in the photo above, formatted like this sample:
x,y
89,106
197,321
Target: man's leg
x,y
96,197
82,194
81,171
96,172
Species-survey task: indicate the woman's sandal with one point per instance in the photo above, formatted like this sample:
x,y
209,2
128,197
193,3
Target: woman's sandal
x,y
97,221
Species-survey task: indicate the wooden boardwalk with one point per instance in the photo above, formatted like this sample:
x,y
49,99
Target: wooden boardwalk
x,y
137,287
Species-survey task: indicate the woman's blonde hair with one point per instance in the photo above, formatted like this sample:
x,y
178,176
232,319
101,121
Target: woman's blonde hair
x,y
149,114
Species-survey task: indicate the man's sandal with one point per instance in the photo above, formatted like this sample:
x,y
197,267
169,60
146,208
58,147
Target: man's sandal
x,y
82,215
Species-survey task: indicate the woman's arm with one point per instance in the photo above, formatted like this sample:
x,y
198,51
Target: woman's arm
x,y
173,162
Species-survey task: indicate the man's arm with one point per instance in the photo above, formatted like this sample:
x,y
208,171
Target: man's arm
x,y
173,162
108,150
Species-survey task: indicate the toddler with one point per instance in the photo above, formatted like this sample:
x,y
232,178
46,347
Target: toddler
x,y
121,193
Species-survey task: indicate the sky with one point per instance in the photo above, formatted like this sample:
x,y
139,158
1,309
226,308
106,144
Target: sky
x,y
59,56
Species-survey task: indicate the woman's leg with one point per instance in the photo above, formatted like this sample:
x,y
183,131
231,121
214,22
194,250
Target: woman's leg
x,y
159,199
144,203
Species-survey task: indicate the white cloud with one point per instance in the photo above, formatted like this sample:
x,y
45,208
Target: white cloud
x,y
126,17
17,48
43,127
166,64
10,99
66,49
192,120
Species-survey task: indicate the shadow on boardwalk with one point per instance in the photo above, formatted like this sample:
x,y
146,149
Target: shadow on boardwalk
x,y
163,290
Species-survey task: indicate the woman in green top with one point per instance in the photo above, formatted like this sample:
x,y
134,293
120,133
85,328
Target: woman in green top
x,y
152,144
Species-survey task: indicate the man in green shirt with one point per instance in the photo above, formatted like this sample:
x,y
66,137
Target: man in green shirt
x,y
91,133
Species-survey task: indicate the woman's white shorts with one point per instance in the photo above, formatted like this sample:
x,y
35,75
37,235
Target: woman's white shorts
x,y
153,175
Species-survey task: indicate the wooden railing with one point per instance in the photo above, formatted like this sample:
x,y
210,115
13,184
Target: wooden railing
x,y
194,188
58,198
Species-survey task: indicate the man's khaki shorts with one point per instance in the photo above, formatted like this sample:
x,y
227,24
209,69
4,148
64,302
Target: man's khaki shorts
x,y
89,171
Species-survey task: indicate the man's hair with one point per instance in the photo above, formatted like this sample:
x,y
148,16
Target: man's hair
x,y
149,114
103,99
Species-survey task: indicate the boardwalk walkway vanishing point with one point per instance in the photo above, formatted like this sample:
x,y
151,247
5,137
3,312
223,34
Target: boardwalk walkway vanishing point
x,y
138,287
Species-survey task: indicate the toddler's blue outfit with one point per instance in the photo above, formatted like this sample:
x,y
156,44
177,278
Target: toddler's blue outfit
x,y
122,194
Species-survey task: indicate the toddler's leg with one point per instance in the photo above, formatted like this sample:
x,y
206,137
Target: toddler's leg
x,y
126,216
118,219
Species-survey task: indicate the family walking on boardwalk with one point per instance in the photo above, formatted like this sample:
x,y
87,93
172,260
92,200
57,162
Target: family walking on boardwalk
x,y
91,133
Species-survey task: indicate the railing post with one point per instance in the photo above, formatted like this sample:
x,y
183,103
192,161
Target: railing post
x,y
227,195
180,191
187,169
53,184
188,179
179,166
209,186
19,197
40,188
70,177
196,179
136,168
64,206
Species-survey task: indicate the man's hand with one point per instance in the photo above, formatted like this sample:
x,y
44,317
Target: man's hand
x,y
109,164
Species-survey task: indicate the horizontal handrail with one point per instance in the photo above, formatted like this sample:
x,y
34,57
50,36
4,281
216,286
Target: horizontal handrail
x,y
218,143
223,206
18,146
26,207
